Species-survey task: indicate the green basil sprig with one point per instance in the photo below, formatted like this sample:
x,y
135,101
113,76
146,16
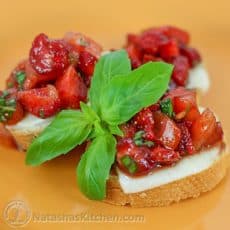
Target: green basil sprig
x,y
116,94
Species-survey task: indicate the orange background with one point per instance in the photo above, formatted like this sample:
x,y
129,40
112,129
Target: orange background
x,y
51,188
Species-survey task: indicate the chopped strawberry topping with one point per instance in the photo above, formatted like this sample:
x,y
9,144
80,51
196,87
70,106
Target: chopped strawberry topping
x,y
163,157
71,89
42,102
166,131
86,65
48,57
166,43
144,121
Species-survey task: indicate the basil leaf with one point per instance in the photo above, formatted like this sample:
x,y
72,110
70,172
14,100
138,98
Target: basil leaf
x,y
108,66
124,96
94,167
69,129
167,107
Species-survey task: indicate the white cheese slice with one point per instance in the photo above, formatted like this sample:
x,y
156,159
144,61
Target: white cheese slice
x,y
186,167
198,79
31,124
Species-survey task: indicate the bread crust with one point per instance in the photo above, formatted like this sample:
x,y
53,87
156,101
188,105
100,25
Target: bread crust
x,y
23,138
188,187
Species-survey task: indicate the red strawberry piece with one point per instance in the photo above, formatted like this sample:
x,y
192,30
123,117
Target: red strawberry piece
x,y
185,146
181,70
164,157
139,156
48,57
171,32
71,89
129,130
79,42
135,56
169,50
191,54
166,131
149,43
86,65
41,102
149,57
17,115
203,128
144,121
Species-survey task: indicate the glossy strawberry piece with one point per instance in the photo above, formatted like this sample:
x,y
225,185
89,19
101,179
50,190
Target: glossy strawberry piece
x,y
164,157
181,70
144,121
139,156
128,130
191,54
86,65
166,131
185,146
169,50
48,57
71,89
79,42
41,102
203,128
217,135
135,55
17,115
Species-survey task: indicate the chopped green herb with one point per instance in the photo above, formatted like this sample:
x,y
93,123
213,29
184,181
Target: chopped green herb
x,y
139,140
166,107
129,163
20,77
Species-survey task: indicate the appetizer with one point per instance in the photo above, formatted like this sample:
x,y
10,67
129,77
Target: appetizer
x,y
172,45
147,145
58,73
56,76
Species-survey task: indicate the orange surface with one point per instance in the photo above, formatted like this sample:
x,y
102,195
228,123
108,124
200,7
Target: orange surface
x,y
51,188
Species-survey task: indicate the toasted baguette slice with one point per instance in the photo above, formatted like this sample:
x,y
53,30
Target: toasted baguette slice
x,y
26,130
188,187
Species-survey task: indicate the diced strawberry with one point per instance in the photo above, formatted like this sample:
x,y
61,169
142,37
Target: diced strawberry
x,y
71,89
86,65
140,157
164,157
42,102
166,131
181,70
217,135
185,146
144,121
17,115
134,55
149,43
169,50
191,54
170,32
48,57
80,42
132,38
203,128
129,130
173,32
149,57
